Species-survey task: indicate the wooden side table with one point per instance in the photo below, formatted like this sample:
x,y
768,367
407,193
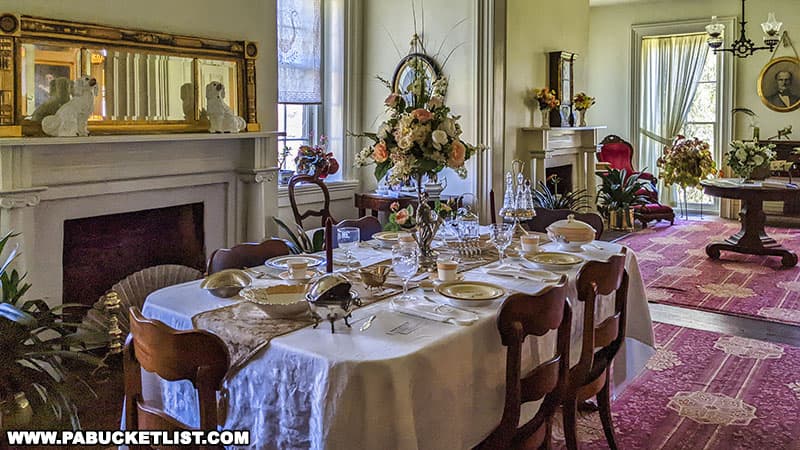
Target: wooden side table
x,y
376,202
751,239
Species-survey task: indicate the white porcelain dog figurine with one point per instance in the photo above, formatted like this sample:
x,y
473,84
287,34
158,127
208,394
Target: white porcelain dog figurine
x,y
72,117
222,119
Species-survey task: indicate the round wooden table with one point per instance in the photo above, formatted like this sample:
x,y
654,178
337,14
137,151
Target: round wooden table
x,y
751,239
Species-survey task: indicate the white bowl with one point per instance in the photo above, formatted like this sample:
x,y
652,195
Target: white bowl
x,y
280,301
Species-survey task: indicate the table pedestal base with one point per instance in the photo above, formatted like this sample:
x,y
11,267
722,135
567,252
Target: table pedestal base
x,y
752,239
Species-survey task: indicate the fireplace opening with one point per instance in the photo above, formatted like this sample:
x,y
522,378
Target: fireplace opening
x,y
560,174
102,250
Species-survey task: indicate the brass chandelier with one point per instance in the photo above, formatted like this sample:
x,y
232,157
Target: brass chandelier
x,y
743,46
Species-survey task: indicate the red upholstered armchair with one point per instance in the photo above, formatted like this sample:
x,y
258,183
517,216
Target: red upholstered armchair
x,y
618,153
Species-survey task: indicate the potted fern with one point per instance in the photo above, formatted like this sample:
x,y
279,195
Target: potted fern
x,y
39,350
617,196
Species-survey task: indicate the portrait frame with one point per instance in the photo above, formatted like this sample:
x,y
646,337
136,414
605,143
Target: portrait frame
x,y
404,74
767,85
41,71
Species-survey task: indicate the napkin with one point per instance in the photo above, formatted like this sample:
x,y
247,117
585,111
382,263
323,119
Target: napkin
x,y
431,311
521,272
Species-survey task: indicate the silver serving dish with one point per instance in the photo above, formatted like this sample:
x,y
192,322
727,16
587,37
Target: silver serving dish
x,y
226,283
331,298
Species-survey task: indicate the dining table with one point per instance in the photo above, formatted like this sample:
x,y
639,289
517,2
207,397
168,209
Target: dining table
x,y
405,382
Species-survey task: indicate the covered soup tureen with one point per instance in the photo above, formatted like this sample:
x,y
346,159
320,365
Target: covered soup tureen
x,y
571,234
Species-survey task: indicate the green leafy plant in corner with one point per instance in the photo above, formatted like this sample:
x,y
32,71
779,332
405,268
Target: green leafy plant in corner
x,y
39,350
299,241
543,197
620,191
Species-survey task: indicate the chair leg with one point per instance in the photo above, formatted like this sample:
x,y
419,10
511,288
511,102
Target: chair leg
x,y
604,402
546,445
569,414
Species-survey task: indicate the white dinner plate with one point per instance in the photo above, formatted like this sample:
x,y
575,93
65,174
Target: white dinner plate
x,y
282,262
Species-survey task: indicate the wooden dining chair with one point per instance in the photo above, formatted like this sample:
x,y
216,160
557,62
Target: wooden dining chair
x,y
366,225
197,356
600,343
245,255
544,217
522,315
323,213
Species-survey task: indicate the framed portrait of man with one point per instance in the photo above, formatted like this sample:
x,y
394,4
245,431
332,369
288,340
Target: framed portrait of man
x,y
779,84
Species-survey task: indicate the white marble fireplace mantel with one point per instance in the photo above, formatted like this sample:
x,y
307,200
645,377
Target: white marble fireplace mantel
x,y
46,181
553,147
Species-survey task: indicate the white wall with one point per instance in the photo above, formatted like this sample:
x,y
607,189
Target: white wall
x,y
536,28
609,56
390,22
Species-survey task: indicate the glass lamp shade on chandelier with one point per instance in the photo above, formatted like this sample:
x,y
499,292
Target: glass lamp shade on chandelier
x,y
743,46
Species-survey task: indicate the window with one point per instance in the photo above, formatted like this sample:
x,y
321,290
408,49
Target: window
x,y
300,73
703,120
302,126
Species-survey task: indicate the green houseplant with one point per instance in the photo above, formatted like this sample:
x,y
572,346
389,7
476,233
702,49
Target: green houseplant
x,y
38,351
617,196
299,241
543,197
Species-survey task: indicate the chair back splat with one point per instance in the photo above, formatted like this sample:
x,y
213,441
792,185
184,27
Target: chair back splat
x,y
196,356
523,315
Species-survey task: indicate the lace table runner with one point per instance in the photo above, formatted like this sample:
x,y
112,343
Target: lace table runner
x,y
246,329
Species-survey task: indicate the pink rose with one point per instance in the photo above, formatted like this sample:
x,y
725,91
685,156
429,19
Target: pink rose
x,y
379,152
394,206
422,115
401,217
391,100
457,154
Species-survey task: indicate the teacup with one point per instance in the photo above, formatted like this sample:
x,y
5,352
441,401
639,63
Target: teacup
x,y
530,243
298,269
448,270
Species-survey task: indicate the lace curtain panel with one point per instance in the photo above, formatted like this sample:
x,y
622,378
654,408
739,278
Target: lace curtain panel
x,y
299,51
670,70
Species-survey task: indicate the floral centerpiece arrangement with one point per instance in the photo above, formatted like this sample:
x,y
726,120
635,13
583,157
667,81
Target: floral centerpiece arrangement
x,y
749,160
315,160
582,102
545,99
418,140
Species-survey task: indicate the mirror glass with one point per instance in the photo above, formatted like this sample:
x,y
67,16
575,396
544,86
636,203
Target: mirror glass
x,y
222,72
132,85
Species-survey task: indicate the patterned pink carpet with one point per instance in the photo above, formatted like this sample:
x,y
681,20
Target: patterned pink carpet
x,y
702,390
677,271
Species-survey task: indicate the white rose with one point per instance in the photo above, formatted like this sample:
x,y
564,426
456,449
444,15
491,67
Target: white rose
x,y
439,138
758,160
448,126
741,154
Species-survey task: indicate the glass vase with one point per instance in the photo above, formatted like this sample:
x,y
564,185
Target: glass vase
x,y
581,117
427,225
545,119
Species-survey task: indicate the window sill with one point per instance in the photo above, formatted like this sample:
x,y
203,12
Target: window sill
x,y
309,193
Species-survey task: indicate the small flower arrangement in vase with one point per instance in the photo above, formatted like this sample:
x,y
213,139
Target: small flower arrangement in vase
x,y
582,102
400,219
749,160
685,162
315,160
546,100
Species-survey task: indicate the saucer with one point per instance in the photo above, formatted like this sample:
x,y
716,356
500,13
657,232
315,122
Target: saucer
x,y
310,274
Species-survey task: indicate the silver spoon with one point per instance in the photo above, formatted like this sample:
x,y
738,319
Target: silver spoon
x,y
368,323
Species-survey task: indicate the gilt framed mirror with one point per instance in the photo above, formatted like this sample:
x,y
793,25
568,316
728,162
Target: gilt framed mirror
x,y
146,82
405,76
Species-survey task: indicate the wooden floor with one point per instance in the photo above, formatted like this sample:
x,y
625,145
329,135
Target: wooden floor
x,y
762,330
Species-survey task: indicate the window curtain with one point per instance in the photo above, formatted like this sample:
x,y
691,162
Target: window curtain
x,y
299,51
671,67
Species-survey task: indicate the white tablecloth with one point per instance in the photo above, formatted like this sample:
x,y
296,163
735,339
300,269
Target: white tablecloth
x,y
405,383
